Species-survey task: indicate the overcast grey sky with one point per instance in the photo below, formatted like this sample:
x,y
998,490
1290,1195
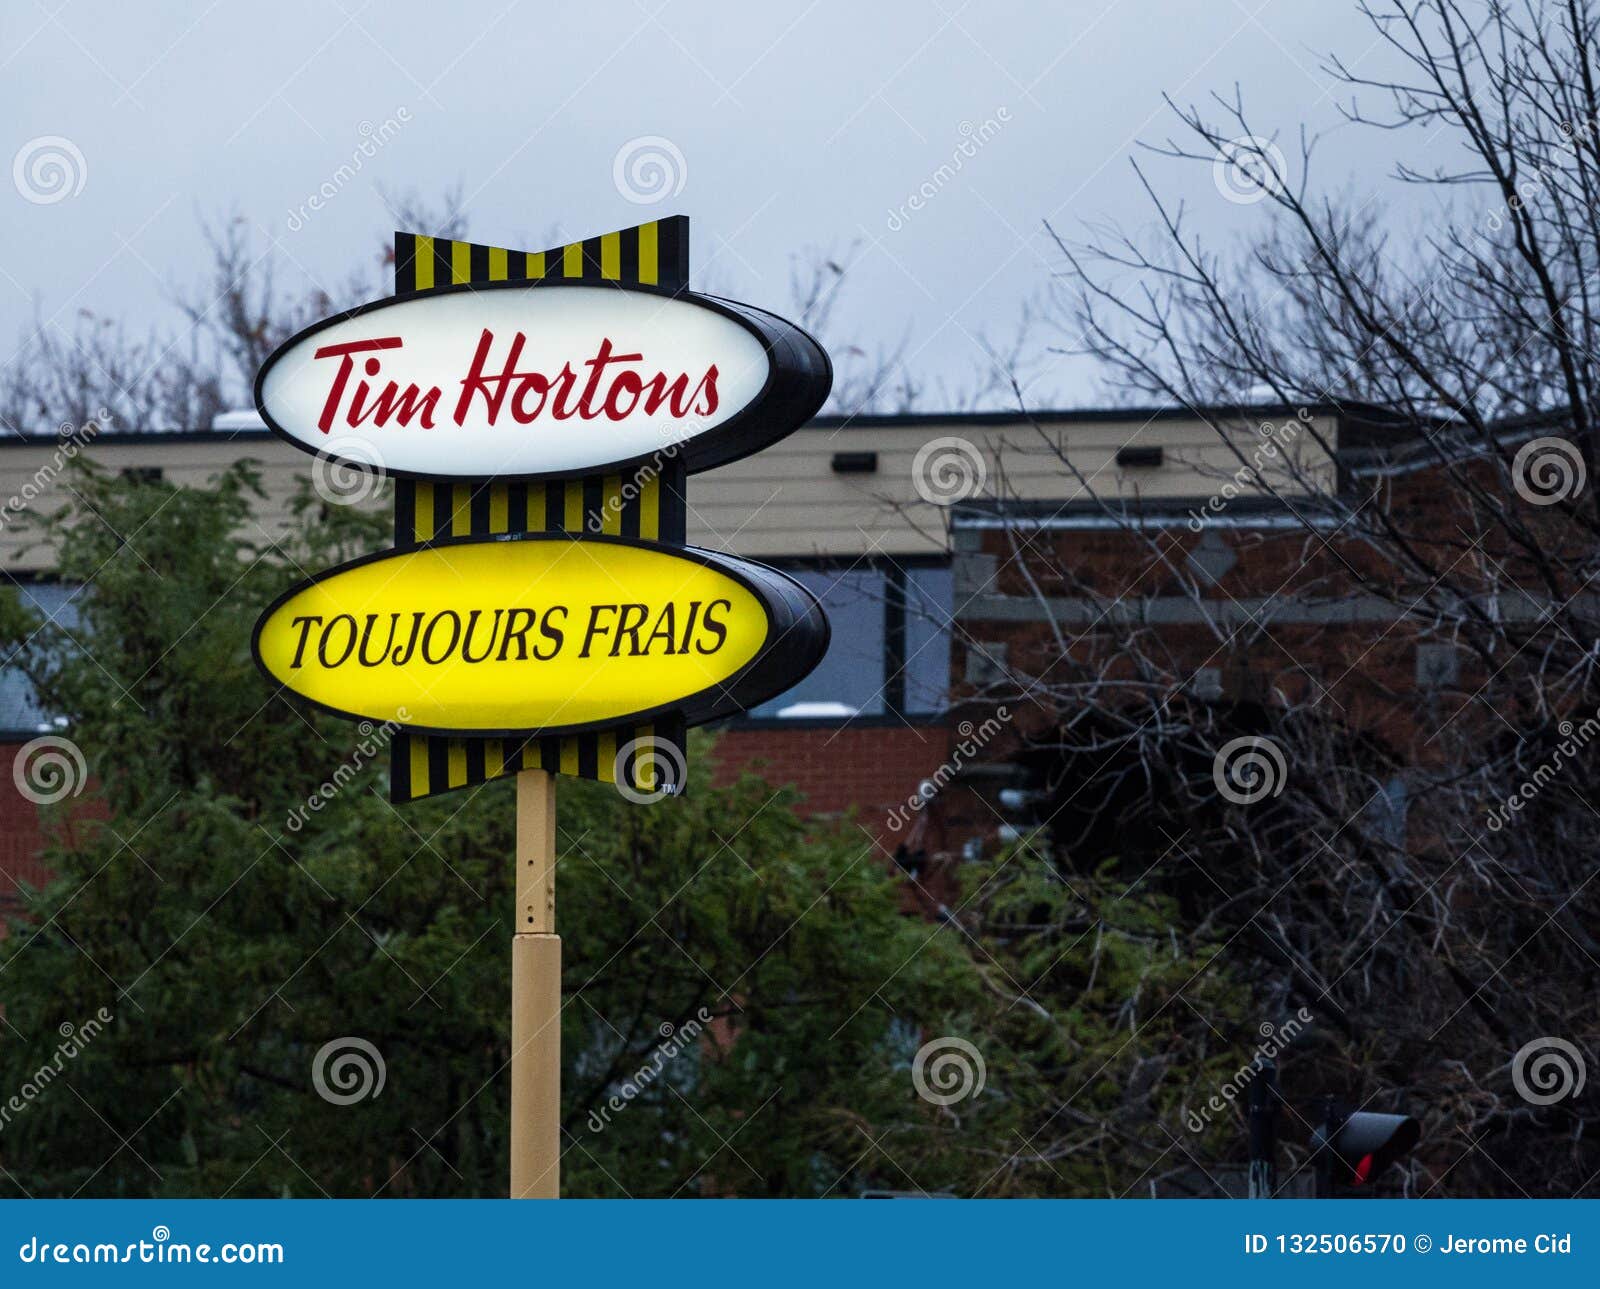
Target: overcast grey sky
x,y
804,123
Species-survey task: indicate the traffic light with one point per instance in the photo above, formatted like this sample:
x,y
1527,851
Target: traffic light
x,y
1354,1146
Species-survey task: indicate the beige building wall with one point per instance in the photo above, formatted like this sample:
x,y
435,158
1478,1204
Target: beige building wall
x,y
787,500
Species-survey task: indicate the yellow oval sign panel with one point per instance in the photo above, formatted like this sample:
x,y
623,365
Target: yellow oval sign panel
x,y
540,633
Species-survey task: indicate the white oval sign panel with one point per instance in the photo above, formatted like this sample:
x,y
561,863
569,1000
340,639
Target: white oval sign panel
x,y
548,379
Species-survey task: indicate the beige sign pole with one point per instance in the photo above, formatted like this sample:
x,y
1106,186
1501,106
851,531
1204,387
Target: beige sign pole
x,y
536,997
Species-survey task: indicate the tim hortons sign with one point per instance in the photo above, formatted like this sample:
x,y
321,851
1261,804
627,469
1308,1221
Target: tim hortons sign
x,y
515,395
541,613
550,379
541,632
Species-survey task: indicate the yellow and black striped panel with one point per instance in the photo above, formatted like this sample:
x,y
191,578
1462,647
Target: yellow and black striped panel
x,y
644,503
652,756
653,254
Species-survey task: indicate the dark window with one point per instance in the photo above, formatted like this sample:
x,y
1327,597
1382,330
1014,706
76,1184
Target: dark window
x,y
855,462
141,473
890,648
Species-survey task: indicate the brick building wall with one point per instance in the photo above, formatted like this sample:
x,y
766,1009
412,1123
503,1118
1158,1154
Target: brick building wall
x,y
871,775
866,768
22,831
1251,615
1281,615
21,836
